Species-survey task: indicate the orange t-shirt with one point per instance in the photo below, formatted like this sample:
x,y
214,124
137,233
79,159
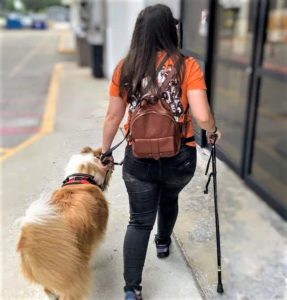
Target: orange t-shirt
x,y
193,80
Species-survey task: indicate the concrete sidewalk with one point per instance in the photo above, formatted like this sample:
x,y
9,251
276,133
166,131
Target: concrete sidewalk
x,y
39,168
253,236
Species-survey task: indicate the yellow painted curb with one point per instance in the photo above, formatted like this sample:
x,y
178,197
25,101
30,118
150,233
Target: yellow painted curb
x,y
21,146
47,125
62,49
66,51
4,149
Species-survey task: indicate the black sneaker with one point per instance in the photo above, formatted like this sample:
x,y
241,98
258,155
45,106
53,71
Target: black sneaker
x,y
133,295
162,247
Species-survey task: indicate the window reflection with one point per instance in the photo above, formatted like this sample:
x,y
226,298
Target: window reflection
x,y
195,26
229,108
275,54
235,32
270,148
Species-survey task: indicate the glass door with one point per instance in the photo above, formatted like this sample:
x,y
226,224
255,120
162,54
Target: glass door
x,y
267,163
195,16
235,37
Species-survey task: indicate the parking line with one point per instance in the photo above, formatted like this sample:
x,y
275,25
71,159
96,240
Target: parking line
x,y
21,146
47,125
26,58
17,130
4,149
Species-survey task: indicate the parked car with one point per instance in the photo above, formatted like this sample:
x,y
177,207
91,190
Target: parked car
x,y
26,21
13,21
39,22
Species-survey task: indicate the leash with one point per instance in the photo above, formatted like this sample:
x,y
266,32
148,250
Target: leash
x,y
213,174
110,152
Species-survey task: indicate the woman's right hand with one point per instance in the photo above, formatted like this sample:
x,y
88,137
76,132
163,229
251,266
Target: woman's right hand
x,y
107,163
213,136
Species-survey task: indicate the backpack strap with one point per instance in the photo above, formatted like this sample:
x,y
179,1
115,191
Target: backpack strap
x,y
161,64
165,84
173,71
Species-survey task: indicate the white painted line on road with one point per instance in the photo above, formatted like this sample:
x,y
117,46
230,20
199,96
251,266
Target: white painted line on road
x,y
26,58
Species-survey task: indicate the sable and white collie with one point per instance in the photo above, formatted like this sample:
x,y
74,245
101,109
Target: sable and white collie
x,y
59,234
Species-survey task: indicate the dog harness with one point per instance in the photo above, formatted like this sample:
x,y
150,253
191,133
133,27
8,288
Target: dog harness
x,y
80,178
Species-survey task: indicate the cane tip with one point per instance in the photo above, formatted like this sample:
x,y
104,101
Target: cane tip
x,y
220,288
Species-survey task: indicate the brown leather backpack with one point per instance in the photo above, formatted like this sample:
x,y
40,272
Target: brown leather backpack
x,y
153,130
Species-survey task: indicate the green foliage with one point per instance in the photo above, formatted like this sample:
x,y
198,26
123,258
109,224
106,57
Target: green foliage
x,y
38,5
9,4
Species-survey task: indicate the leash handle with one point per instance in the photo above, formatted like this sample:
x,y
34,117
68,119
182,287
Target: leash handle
x,y
212,152
109,152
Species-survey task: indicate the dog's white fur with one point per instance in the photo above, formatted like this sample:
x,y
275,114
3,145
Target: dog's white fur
x,y
80,159
59,233
39,212
76,161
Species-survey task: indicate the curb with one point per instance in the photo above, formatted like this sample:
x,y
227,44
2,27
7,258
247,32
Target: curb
x,y
62,49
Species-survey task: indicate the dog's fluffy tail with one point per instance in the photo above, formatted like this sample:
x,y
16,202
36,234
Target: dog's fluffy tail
x,y
49,253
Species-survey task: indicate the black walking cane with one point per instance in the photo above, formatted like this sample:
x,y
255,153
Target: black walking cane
x,y
213,175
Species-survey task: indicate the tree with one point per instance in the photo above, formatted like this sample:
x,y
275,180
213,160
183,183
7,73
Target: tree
x,y
9,4
37,5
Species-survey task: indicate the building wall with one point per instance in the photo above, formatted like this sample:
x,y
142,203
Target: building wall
x,y
121,18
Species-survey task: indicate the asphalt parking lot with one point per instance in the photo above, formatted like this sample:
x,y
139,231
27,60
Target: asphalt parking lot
x,y
28,58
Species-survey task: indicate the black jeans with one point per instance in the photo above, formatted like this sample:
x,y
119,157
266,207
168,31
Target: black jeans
x,y
153,187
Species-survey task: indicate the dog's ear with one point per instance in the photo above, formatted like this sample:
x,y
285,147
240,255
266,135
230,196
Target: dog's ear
x,y
97,152
87,150
107,179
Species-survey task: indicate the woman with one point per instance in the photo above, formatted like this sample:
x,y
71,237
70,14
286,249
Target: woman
x,y
153,185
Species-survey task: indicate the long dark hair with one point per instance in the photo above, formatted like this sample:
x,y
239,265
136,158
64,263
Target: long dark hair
x,y
155,30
